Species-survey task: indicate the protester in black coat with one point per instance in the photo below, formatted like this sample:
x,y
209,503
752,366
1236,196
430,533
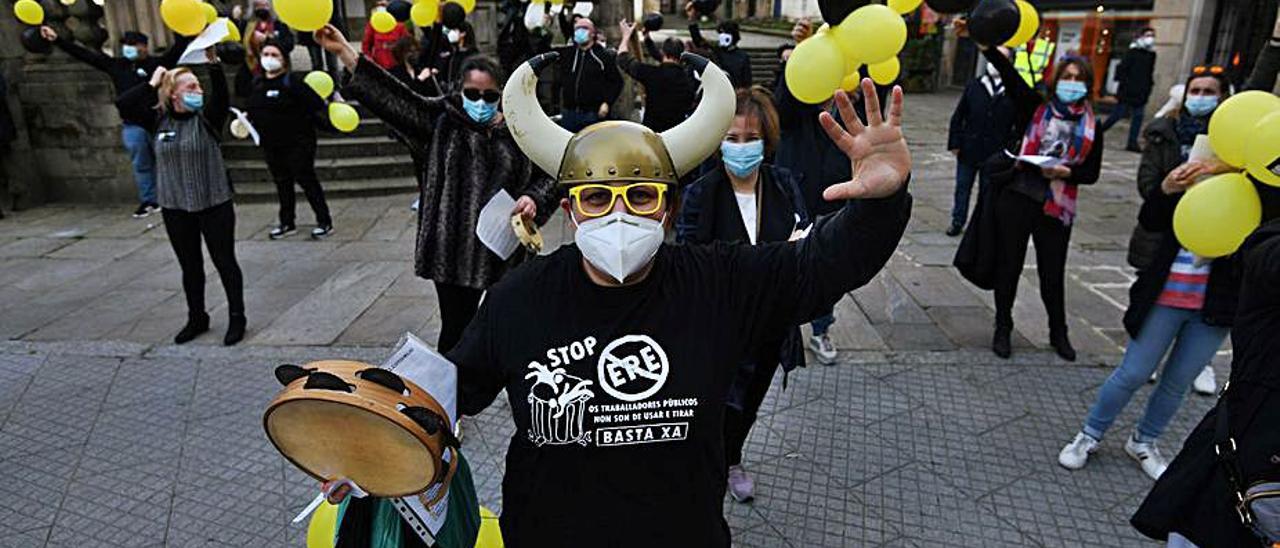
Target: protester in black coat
x,y
134,66
285,111
980,126
668,91
725,52
746,200
1136,74
588,76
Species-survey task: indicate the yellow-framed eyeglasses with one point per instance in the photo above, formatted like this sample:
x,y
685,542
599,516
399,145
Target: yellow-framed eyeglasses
x,y
597,200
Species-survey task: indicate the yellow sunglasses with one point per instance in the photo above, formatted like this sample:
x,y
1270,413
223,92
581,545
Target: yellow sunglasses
x,y
598,200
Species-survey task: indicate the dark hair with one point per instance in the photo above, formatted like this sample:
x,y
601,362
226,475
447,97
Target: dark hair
x,y
133,38
756,102
403,48
672,47
482,63
284,53
1145,30
1082,64
731,28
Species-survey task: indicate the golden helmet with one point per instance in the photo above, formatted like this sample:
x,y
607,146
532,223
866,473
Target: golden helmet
x,y
617,150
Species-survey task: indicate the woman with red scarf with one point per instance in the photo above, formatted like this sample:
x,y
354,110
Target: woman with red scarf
x,y
1039,201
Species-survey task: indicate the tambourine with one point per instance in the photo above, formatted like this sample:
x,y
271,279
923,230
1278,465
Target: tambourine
x,y
344,419
527,233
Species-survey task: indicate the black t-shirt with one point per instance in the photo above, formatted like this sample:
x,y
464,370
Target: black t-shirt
x,y
618,392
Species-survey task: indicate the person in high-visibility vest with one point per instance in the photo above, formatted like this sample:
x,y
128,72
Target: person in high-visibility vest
x,y
1031,60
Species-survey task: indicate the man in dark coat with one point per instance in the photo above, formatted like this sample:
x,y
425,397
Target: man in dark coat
x,y
1136,76
981,125
668,91
725,52
588,76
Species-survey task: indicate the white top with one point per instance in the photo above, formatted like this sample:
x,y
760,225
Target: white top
x,y
747,207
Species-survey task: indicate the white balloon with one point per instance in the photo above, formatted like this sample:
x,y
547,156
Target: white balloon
x,y
533,15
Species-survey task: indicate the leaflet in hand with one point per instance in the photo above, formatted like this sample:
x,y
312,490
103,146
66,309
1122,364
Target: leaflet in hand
x,y
1037,160
493,227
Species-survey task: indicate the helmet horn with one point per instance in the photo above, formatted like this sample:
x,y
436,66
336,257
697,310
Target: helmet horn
x,y
699,136
537,135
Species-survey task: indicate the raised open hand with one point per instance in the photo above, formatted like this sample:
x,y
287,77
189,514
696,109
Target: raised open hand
x,y
877,151
332,40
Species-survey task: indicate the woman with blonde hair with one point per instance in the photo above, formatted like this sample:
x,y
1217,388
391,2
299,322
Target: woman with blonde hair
x,y
192,187
747,200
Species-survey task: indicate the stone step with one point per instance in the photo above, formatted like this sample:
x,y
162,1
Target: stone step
x,y
328,148
343,188
330,169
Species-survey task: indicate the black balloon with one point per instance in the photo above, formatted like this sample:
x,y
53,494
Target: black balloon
x,y
34,43
834,11
705,7
452,15
400,10
949,6
231,53
993,22
653,22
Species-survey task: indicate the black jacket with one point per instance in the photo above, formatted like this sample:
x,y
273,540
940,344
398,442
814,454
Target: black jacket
x,y
284,109
709,213
981,124
1136,76
735,62
668,91
126,74
1192,498
1162,154
587,78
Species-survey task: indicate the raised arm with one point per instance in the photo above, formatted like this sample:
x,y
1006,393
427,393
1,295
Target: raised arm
x,y
171,55
219,103
651,49
1025,100
388,97
95,59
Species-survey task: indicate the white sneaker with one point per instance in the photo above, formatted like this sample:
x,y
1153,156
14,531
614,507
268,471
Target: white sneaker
x,y
1155,376
1148,455
1076,454
823,349
1206,382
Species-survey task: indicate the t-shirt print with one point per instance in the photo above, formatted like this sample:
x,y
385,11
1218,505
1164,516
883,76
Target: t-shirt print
x,y
628,373
1057,137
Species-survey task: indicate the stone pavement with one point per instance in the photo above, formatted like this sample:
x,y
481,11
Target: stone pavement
x,y
110,435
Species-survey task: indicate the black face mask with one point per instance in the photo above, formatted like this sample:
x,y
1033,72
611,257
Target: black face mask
x,y
262,14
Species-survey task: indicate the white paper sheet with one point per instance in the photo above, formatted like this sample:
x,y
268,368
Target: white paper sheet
x,y
494,225
214,33
422,365
1036,159
243,118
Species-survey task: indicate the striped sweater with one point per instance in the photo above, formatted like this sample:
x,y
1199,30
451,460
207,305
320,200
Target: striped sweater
x,y
1185,286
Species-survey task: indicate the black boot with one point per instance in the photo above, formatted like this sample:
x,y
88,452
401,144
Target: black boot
x,y
235,329
1062,345
1000,341
196,324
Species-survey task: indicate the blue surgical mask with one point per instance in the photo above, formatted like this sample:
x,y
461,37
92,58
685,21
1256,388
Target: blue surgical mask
x,y
129,52
581,36
742,159
1071,91
193,101
480,111
1201,105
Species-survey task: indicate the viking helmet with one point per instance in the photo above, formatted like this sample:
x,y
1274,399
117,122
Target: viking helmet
x,y
617,150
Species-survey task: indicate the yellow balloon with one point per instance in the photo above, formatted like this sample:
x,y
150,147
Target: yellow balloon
x,y
320,82
185,17
322,528
872,33
210,12
490,535
343,117
233,33
851,81
1233,121
469,5
1217,214
1262,151
304,15
29,12
1028,24
815,69
885,72
382,22
424,12
904,6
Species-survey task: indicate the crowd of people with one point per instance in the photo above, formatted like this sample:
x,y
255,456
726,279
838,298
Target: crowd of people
x,y
778,208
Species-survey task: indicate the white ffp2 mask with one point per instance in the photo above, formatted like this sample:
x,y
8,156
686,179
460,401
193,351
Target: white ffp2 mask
x,y
619,243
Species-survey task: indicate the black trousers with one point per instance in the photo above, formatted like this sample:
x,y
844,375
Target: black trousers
x,y
458,305
746,396
295,163
1021,217
217,226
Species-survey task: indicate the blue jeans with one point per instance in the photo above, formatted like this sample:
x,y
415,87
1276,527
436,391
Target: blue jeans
x,y
823,323
1194,344
574,120
965,174
137,140
1134,113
